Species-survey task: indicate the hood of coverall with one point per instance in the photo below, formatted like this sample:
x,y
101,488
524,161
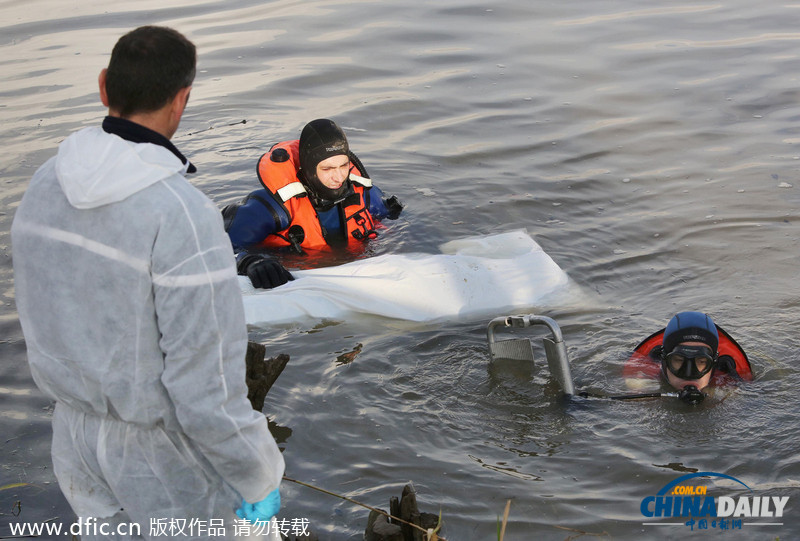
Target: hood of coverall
x,y
114,169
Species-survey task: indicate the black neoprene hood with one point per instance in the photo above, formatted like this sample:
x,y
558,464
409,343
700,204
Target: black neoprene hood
x,y
320,140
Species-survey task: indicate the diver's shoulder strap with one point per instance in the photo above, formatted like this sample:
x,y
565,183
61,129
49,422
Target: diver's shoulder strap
x,y
293,189
361,181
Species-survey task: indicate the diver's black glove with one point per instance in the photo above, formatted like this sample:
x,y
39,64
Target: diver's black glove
x,y
264,272
726,364
394,206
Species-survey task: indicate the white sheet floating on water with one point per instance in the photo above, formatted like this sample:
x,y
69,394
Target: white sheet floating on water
x,y
487,275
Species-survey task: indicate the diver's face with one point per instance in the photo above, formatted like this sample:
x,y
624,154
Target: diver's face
x,y
333,171
701,382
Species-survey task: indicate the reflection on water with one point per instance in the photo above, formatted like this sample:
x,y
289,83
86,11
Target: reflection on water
x,y
650,150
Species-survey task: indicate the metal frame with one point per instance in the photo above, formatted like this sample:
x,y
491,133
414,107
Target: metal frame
x,y
521,348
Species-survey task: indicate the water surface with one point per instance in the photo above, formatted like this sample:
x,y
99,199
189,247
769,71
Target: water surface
x,y
651,149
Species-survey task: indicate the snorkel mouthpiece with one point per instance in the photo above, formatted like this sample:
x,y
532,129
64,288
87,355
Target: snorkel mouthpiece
x,y
691,395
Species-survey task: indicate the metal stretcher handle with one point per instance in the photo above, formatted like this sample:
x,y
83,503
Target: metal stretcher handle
x,y
555,349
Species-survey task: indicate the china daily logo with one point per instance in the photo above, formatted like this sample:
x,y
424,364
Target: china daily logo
x,y
697,509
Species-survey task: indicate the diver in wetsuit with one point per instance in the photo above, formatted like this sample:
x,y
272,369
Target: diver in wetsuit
x,y
316,194
692,353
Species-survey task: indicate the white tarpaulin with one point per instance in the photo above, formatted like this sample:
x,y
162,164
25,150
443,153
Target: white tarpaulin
x,y
483,275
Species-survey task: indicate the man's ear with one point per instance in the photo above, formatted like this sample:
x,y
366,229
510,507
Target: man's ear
x,y
101,81
179,102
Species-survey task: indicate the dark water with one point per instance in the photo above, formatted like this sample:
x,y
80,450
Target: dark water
x,y
650,148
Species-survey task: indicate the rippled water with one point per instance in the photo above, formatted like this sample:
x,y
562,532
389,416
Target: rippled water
x,y
650,148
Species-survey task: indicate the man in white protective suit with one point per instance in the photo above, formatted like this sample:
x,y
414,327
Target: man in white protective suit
x,y
133,319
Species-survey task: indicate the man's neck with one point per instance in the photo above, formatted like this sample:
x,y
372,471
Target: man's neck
x,y
154,121
139,133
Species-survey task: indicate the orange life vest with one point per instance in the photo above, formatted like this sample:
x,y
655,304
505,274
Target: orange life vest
x,y
642,365
277,171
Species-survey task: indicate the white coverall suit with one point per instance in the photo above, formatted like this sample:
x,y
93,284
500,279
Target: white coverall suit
x,y
130,305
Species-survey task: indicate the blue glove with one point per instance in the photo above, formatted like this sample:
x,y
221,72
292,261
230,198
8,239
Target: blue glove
x,y
263,510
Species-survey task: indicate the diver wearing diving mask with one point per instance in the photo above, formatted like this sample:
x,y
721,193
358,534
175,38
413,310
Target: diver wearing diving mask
x,y
690,354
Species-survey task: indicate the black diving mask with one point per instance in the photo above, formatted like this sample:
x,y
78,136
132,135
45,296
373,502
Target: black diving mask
x,y
689,362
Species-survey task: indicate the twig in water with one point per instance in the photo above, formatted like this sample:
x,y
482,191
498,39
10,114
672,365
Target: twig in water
x,y
15,485
212,127
580,532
